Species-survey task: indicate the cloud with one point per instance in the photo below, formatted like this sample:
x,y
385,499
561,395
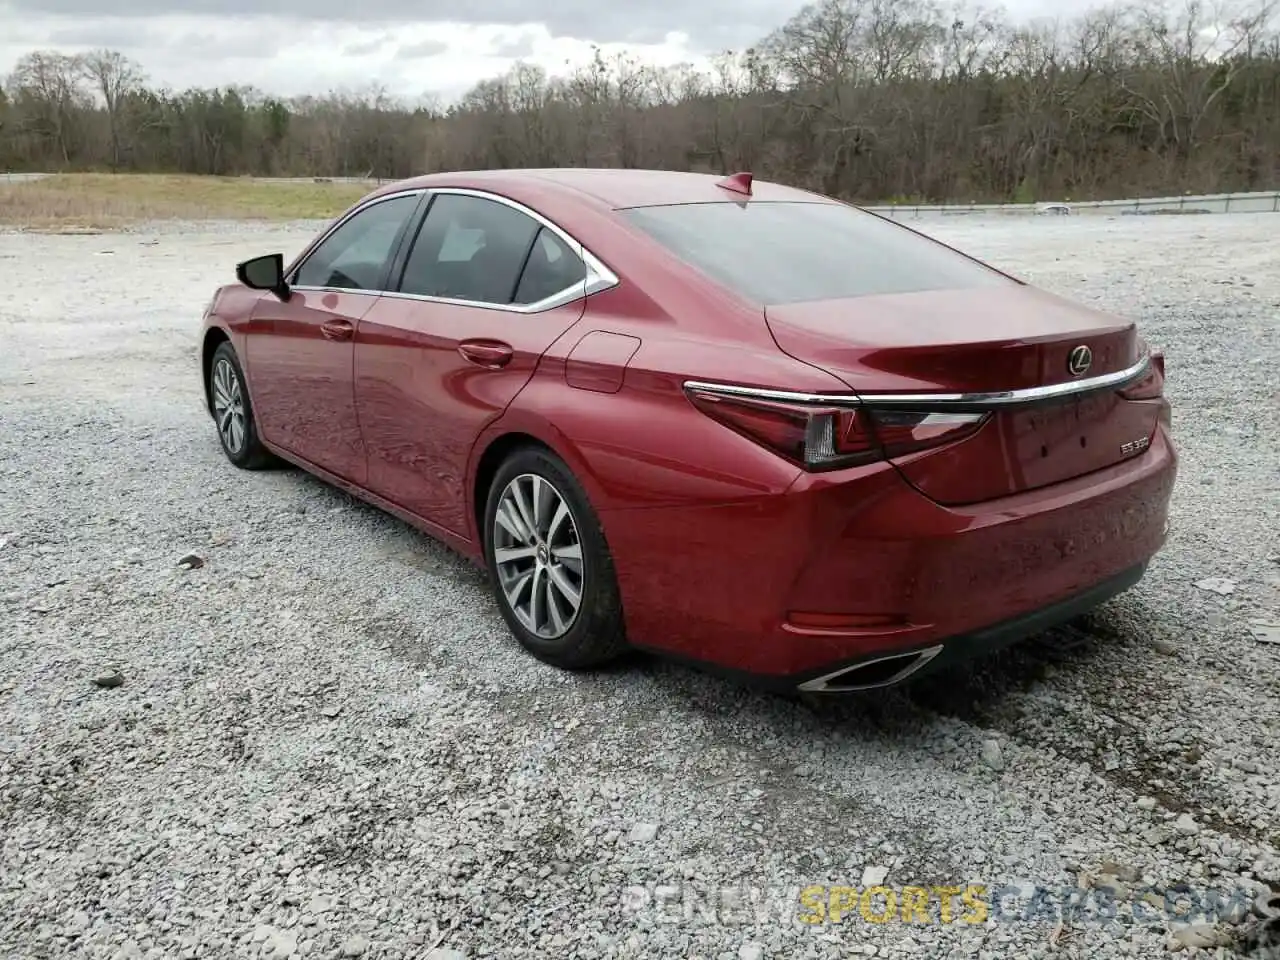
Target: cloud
x,y
279,56
409,48
364,48
518,47
711,25
215,47
424,49
209,41
114,36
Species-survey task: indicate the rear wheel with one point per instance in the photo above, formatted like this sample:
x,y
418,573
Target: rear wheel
x,y
233,411
549,564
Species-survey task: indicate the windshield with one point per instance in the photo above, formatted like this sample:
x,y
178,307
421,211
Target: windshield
x,y
788,252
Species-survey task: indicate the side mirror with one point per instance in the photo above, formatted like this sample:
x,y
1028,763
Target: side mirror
x,y
264,273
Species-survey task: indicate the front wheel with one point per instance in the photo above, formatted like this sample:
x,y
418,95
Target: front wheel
x,y
233,411
549,564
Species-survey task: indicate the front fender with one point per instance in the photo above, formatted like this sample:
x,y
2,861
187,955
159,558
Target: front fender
x,y
229,316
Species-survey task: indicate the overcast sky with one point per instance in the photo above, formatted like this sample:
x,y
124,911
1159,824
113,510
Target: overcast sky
x,y
413,48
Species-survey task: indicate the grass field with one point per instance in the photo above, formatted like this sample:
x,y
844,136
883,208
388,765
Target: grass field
x,y
70,202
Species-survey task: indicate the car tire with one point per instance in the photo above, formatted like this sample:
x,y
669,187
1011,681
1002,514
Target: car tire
x,y
233,411
531,555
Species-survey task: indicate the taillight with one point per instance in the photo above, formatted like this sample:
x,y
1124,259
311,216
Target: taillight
x,y
901,433
821,437
1151,386
814,436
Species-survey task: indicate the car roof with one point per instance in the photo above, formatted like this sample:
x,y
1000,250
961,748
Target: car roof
x,y
612,188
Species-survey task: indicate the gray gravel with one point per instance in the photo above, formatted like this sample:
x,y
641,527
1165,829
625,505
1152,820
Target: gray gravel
x,y
326,744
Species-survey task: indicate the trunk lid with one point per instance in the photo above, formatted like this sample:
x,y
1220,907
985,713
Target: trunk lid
x,y
982,341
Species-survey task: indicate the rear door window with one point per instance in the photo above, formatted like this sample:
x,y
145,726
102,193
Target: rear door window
x,y
469,248
789,252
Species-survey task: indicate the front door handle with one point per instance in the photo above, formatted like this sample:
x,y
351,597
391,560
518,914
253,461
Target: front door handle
x,y
486,353
337,329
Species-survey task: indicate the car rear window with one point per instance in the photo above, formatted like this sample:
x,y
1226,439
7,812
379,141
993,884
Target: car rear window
x,y
788,252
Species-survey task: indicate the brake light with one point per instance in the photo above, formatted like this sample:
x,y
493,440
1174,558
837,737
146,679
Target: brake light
x,y
1151,386
823,438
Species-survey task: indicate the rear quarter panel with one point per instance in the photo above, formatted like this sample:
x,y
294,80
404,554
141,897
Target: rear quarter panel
x,y
646,445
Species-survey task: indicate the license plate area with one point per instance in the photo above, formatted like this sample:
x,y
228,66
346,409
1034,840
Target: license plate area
x,y
1064,425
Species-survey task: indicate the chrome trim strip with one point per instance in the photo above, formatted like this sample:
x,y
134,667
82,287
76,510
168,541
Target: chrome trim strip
x,y
823,684
1002,398
782,396
592,283
599,277
980,401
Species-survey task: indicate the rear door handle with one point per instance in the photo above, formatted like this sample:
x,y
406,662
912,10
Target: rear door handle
x,y
486,353
337,329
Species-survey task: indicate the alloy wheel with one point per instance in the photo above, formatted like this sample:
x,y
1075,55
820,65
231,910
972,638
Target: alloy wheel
x,y
538,556
228,406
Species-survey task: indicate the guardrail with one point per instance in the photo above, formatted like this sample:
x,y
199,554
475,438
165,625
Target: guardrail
x,y
1261,202
370,181
1258,202
367,181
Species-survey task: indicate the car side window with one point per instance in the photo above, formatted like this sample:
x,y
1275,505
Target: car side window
x,y
469,248
552,268
355,255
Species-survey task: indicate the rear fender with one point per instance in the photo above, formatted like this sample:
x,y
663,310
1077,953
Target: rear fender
x,y
520,422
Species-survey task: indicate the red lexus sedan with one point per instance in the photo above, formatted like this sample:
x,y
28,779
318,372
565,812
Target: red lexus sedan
x,y
733,422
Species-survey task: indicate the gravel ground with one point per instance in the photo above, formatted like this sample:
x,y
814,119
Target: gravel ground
x,y
326,743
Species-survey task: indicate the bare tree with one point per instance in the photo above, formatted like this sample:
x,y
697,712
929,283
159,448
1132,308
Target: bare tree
x,y
114,77
50,83
864,99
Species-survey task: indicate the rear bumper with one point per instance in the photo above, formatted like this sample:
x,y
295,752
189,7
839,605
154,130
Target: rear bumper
x,y
895,668
851,567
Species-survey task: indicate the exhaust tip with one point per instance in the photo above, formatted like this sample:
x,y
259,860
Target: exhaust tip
x,y
871,674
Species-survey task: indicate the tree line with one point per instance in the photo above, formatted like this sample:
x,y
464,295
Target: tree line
x,y
864,99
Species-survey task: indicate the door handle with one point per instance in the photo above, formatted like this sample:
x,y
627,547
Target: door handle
x,y
486,353
337,329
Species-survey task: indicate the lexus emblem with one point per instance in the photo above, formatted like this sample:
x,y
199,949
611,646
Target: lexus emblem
x,y
1079,360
